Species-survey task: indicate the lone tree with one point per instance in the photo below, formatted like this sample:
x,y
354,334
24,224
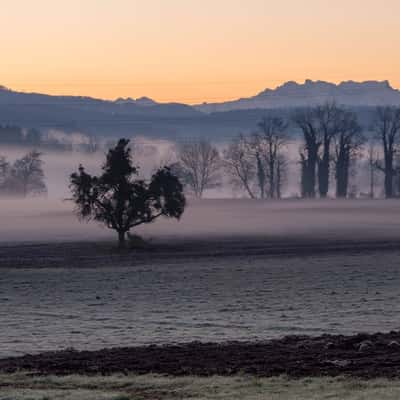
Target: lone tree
x,y
121,201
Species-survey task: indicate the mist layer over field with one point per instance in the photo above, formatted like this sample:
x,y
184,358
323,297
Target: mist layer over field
x,y
150,154
58,165
49,219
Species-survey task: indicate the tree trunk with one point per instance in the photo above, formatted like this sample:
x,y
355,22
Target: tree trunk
x,y
303,176
249,191
121,239
271,179
397,182
388,176
323,171
309,183
342,178
371,180
261,177
388,184
278,181
24,188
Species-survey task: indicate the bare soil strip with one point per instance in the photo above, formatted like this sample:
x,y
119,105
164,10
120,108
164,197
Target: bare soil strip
x,y
95,254
361,356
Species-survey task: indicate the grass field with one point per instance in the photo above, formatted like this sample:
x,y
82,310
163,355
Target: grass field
x,y
24,387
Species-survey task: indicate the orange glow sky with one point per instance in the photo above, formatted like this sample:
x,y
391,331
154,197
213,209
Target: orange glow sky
x,y
194,50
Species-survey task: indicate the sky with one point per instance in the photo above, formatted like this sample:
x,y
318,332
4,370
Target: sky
x,y
194,50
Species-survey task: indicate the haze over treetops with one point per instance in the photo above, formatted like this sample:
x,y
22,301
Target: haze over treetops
x,y
194,51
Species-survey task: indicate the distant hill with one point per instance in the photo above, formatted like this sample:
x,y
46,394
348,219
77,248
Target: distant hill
x,y
146,117
71,104
292,94
90,115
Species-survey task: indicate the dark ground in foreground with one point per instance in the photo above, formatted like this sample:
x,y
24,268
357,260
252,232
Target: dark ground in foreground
x,y
96,254
361,356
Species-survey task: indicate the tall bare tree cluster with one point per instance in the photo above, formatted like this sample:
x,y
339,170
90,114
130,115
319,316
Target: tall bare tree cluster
x,y
257,162
332,143
331,136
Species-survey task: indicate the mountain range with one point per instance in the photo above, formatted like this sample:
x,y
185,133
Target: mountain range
x,y
293,94
145,116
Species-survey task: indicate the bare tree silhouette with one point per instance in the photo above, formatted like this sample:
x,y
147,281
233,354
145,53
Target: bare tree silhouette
x,y
347,144
198,166
268,145
387,129
305,120
239,165
328,121
26,175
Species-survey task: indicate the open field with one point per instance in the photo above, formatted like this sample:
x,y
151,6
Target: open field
x,y
57,296
249,271
230,270
150,387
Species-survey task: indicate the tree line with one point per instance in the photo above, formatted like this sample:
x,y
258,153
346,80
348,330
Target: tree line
x,y
331,142
16,136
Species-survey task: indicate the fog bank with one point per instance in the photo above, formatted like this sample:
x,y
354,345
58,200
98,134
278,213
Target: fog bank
x,y
43,220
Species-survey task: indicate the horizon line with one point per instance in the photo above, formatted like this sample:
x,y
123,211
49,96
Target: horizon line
x,y
199,102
